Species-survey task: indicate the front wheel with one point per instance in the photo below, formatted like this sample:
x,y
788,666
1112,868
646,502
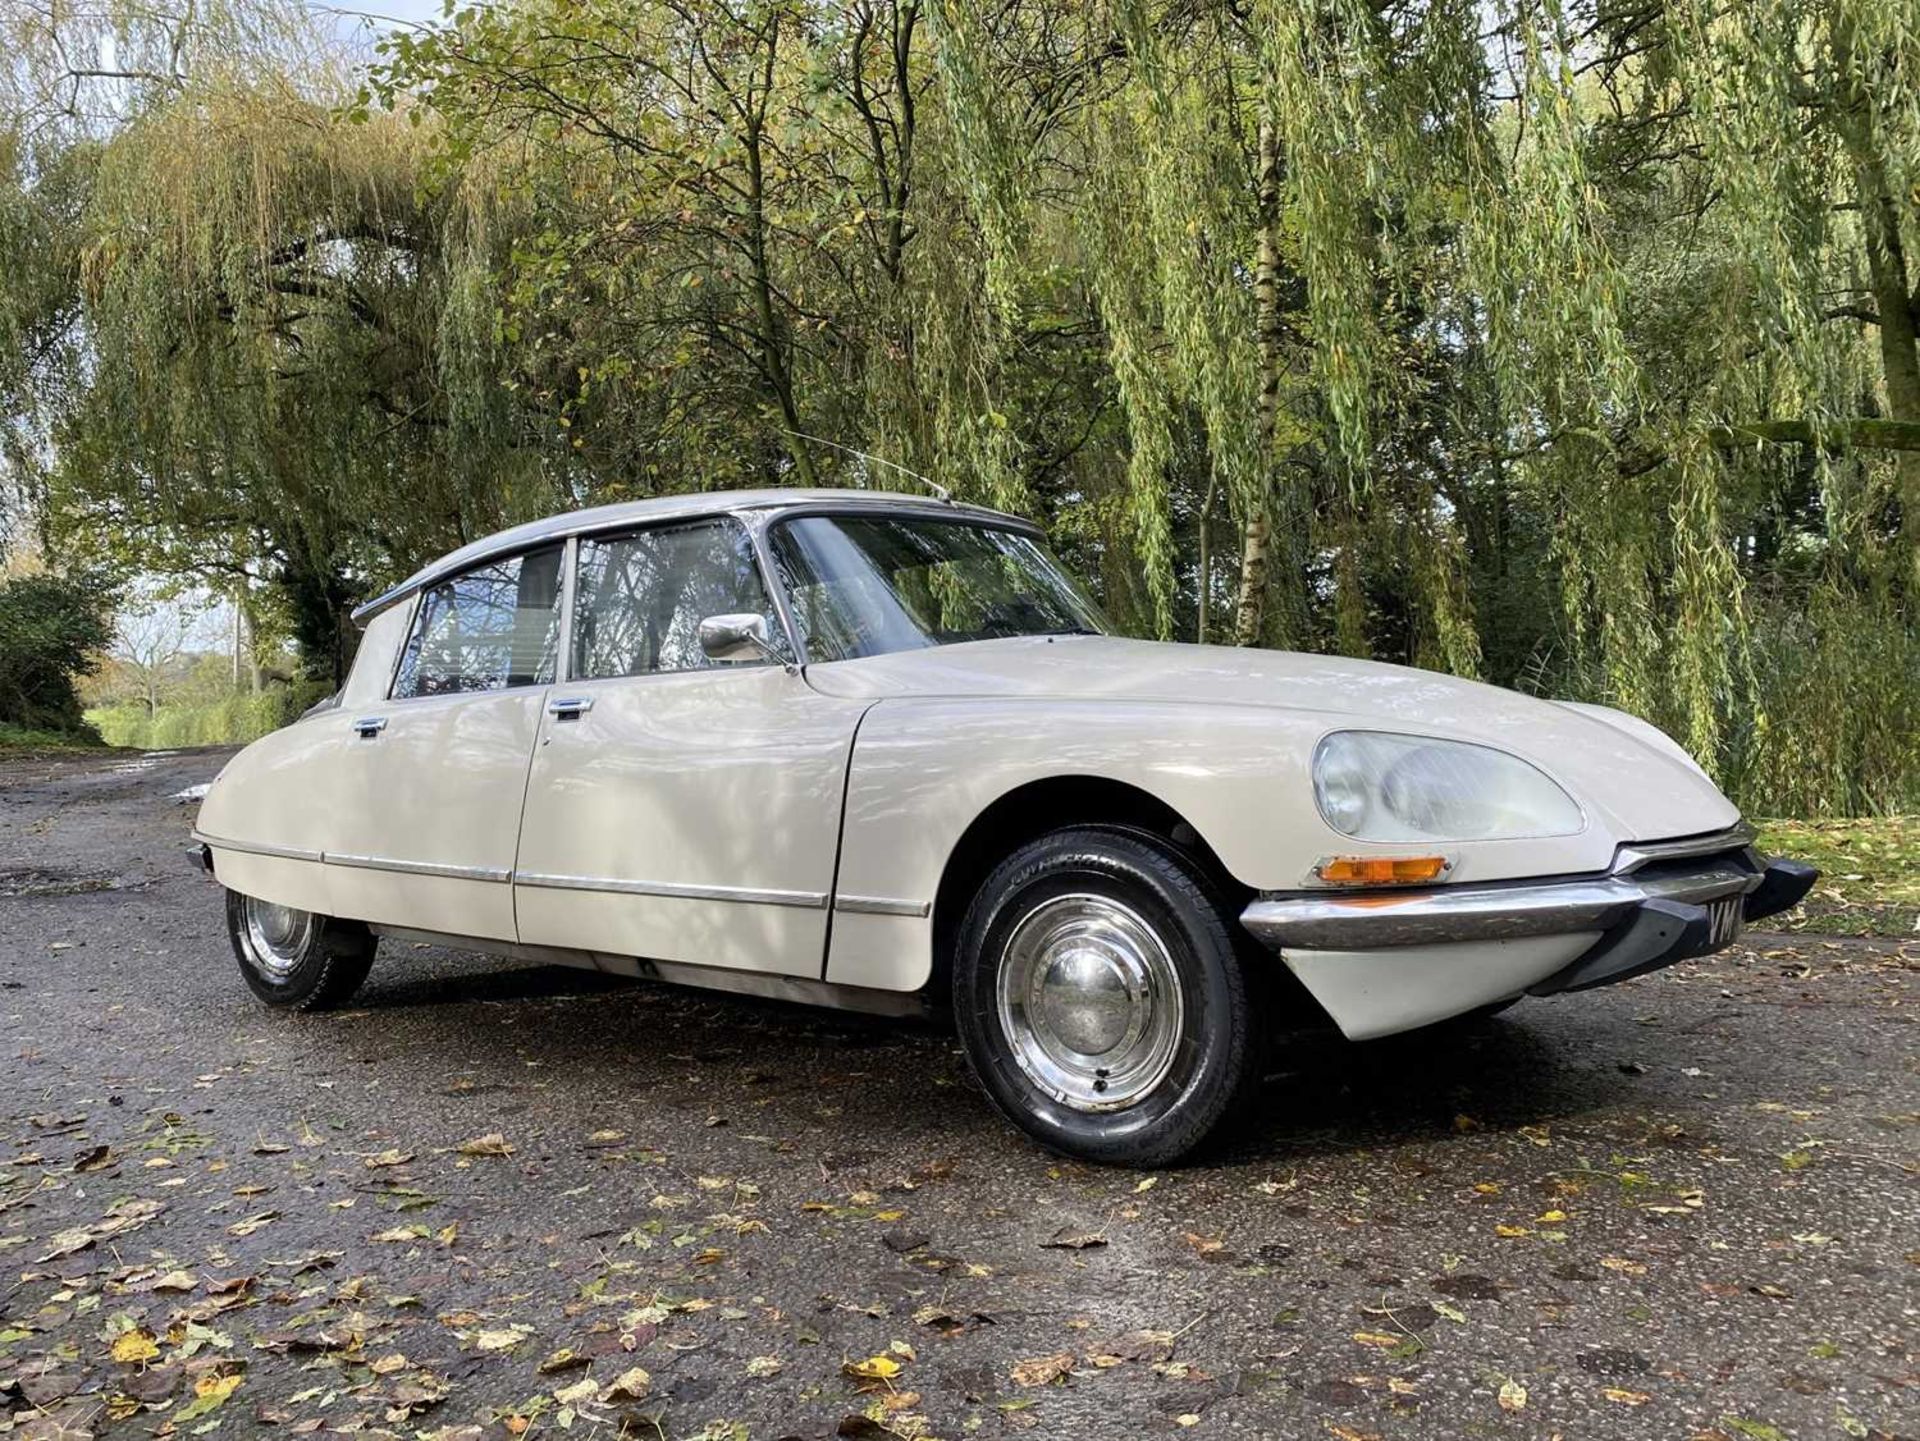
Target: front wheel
x,y
294,959
1100,997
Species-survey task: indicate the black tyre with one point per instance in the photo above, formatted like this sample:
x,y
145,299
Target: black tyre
x,y
294,959
1099,994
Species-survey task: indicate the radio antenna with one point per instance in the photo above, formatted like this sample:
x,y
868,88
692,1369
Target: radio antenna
x,y
933,485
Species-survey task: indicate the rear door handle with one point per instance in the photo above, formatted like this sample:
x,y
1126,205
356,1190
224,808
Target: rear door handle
x,y
570,708
369,726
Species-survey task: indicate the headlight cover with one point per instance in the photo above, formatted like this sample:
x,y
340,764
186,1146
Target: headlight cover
x,y
1379,786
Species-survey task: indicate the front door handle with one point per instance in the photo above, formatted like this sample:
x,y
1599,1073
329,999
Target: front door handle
x,y
369,726
570,708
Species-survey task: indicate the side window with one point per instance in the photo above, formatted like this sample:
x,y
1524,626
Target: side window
x,y
493,627
642,598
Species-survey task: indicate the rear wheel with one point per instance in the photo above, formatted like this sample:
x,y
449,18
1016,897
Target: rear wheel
x,y
295,959
1100,997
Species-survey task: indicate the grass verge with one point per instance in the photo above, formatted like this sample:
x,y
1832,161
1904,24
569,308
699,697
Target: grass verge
x,y
1869,873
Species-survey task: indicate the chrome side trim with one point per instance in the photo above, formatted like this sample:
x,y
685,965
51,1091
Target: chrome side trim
x,y
258,848
881,906
805,900
416,868
1492,912
800,989
1630,858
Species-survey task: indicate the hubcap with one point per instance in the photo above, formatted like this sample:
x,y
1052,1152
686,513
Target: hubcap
x,y
277,937
1090,1002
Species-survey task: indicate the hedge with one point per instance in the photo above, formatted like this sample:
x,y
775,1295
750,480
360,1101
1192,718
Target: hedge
x,y
235,720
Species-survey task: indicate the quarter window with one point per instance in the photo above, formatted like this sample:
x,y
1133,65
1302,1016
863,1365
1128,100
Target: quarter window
x,y
642,598
493,627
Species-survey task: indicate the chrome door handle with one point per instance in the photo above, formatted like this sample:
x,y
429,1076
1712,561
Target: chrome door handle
x,y
369,726
570,708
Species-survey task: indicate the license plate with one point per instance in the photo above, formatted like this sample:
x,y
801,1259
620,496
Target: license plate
x,y
1724,919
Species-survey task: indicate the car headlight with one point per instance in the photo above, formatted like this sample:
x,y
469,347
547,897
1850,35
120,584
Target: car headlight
x,y
1377,786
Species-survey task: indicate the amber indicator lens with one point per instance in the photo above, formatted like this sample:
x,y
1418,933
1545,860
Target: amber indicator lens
x,y
1380,870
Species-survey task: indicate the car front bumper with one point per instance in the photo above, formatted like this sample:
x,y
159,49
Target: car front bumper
x,y
1387,961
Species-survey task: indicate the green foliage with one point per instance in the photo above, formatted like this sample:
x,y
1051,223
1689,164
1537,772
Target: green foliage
x,y
232,721
1560,344
51,627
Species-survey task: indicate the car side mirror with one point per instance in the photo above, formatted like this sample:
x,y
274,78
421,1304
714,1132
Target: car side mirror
x,y
740,639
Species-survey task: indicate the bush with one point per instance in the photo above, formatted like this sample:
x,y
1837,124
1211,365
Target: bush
x,y
239,718
51,627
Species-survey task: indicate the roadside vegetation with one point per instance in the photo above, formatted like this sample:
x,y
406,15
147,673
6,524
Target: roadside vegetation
x,y
1570,346
1869,874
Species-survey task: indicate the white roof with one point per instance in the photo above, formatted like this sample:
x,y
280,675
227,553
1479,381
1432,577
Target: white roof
x,y
665,507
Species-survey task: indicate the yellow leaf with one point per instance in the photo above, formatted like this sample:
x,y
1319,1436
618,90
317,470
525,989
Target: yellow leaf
x,y
1625,1397
217,1388
135,1345
874,1368
1511,1231
1551,1216
1513,1396
1383,1339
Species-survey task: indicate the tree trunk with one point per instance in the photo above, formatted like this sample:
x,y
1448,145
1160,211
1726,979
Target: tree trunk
x,y
1893,295
1266,301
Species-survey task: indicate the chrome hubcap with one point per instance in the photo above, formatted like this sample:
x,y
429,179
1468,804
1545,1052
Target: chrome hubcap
x,y
1090,1002
277,937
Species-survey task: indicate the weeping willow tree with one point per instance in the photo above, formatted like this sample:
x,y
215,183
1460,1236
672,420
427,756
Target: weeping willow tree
x,y
1568,345
1634,275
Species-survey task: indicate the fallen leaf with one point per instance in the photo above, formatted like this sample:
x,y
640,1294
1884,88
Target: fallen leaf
x,y
630,1385
135,1346
1067,1238
1624,1397
1042,1370
491,1144
874,1368
1513,1396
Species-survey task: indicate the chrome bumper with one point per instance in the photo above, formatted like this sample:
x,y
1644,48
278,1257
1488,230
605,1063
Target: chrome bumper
x,y
1656,906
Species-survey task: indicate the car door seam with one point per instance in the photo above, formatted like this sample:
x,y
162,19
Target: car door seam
x,y
840,837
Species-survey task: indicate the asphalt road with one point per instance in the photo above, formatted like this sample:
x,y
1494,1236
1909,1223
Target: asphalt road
x,y
496,1199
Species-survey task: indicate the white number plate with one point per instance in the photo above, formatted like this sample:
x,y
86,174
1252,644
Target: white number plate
x,y
1724,918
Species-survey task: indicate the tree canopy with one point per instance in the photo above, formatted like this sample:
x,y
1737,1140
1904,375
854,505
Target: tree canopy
x,y
1566,343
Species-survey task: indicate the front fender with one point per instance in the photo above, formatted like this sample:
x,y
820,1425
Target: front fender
x,y
923,769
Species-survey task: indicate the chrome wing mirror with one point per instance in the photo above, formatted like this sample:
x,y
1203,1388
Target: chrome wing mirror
x,y
740,639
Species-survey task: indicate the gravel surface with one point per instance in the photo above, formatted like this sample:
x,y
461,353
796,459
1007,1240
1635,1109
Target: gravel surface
x,y
498,1200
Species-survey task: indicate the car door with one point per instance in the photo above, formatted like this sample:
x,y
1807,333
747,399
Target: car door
x,y
679,809
433,777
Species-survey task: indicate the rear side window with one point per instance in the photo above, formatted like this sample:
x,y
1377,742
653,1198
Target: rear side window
x,y
493,627
643,596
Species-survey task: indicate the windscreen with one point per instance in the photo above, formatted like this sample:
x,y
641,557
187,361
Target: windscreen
x,y
868,585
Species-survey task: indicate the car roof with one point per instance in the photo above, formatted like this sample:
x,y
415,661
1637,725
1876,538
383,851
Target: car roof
x,y
766,504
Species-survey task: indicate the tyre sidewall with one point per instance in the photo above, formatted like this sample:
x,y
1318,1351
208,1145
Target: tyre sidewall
x,y
312,981
1209,1068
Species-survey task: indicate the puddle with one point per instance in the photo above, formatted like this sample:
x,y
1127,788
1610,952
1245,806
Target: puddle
x,y
194,793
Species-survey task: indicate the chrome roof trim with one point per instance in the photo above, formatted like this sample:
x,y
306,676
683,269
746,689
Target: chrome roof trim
x,y
761,504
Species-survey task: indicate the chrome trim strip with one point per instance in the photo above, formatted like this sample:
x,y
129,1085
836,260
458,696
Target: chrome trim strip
x,y
416,868
1492,912
881,906
257,848
1630,858
805,900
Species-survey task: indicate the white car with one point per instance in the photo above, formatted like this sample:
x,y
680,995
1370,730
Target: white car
x,y
879,752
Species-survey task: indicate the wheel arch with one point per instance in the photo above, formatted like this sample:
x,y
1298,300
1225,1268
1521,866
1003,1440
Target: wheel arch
x,y
1032,809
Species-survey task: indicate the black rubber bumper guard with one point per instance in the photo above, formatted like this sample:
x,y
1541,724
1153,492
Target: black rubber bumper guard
x,y
1660,931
